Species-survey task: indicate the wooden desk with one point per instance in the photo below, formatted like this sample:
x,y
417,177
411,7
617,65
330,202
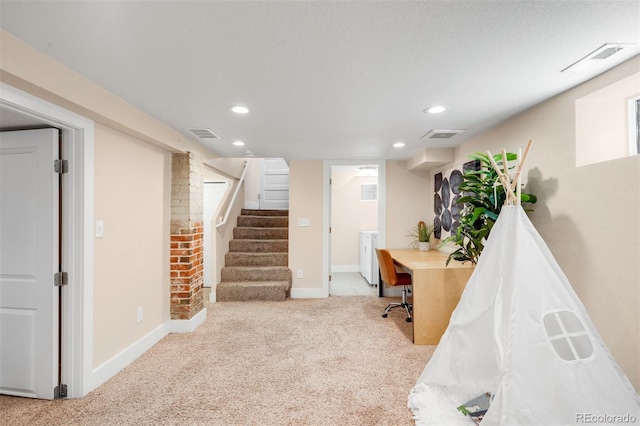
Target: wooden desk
x,y
436,290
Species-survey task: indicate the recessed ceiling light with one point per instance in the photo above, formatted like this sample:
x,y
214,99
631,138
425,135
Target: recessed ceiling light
x,y
239,109
238,143
435,109
398,144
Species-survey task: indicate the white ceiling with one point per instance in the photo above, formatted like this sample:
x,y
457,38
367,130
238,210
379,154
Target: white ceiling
x,y
327,79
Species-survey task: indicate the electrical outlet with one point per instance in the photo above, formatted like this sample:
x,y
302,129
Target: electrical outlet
x,y
140,314
300,273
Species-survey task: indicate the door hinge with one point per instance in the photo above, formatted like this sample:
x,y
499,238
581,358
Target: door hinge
x,y
60,279
329,277
60,391
60,166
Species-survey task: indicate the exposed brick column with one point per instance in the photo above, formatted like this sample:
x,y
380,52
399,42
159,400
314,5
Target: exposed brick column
x,y
186,235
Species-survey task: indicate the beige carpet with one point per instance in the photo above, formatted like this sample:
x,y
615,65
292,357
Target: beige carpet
x,y
328,361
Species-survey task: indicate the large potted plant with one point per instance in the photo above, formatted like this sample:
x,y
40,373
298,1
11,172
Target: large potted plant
x,y
481,205
421,236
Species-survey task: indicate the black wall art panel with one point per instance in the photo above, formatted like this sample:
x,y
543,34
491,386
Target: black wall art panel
x,y
447,192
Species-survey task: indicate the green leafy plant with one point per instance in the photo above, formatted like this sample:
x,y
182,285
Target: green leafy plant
x,y
421,233
482,200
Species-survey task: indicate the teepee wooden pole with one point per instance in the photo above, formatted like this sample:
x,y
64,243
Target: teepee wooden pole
x,y
494,164
505,163
511,198
512,187
516,179
521,164
504,179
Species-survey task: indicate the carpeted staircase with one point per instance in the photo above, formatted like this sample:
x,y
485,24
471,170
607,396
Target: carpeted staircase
x,y
256,267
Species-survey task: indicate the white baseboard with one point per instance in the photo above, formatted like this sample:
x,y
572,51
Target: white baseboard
x,y
187,326
127,356
133,352
308,293
345,268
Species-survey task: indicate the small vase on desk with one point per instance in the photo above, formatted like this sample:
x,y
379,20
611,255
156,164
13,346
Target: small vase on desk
x,y
424,246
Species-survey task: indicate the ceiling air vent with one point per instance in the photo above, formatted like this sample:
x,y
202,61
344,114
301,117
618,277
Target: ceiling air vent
x,y
203,133
596,58
442,134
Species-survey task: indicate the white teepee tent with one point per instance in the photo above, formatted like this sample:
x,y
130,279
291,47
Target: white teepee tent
x,y
521,333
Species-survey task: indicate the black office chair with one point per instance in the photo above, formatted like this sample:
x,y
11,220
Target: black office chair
x,y
391,277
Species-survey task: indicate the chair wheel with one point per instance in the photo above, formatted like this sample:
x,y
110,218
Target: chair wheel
x,y
384,315
408,320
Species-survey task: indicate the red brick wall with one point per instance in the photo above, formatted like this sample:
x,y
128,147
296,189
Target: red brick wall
x,y
186,236
186,272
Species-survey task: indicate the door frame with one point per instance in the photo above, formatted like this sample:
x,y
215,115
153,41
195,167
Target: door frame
x,y
326,210
77,232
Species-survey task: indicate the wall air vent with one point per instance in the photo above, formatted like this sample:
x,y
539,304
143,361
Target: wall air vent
x,y
442,134
203,133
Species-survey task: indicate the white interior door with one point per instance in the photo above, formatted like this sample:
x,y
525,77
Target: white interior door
x,y
274,184
29,258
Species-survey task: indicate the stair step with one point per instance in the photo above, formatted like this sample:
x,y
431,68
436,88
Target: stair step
x,y
255,273
251,212
252,290
263,221
259,246
256,259
256,266
252,233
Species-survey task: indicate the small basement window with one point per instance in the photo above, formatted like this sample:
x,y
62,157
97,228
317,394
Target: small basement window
x,y
607,125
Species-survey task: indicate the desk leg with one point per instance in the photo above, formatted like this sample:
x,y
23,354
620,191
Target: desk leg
x,y
436,294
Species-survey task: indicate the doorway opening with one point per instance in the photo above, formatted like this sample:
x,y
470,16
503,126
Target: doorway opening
x,y
76,223
354,202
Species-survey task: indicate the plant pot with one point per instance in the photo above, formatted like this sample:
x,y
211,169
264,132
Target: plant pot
x,y
422,246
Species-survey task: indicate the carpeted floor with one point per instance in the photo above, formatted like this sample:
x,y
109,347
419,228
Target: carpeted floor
x,y
323,362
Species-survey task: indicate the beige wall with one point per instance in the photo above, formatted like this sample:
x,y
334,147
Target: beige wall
x,y
132,197
305,242
349,216
409,200
602,122
589,216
